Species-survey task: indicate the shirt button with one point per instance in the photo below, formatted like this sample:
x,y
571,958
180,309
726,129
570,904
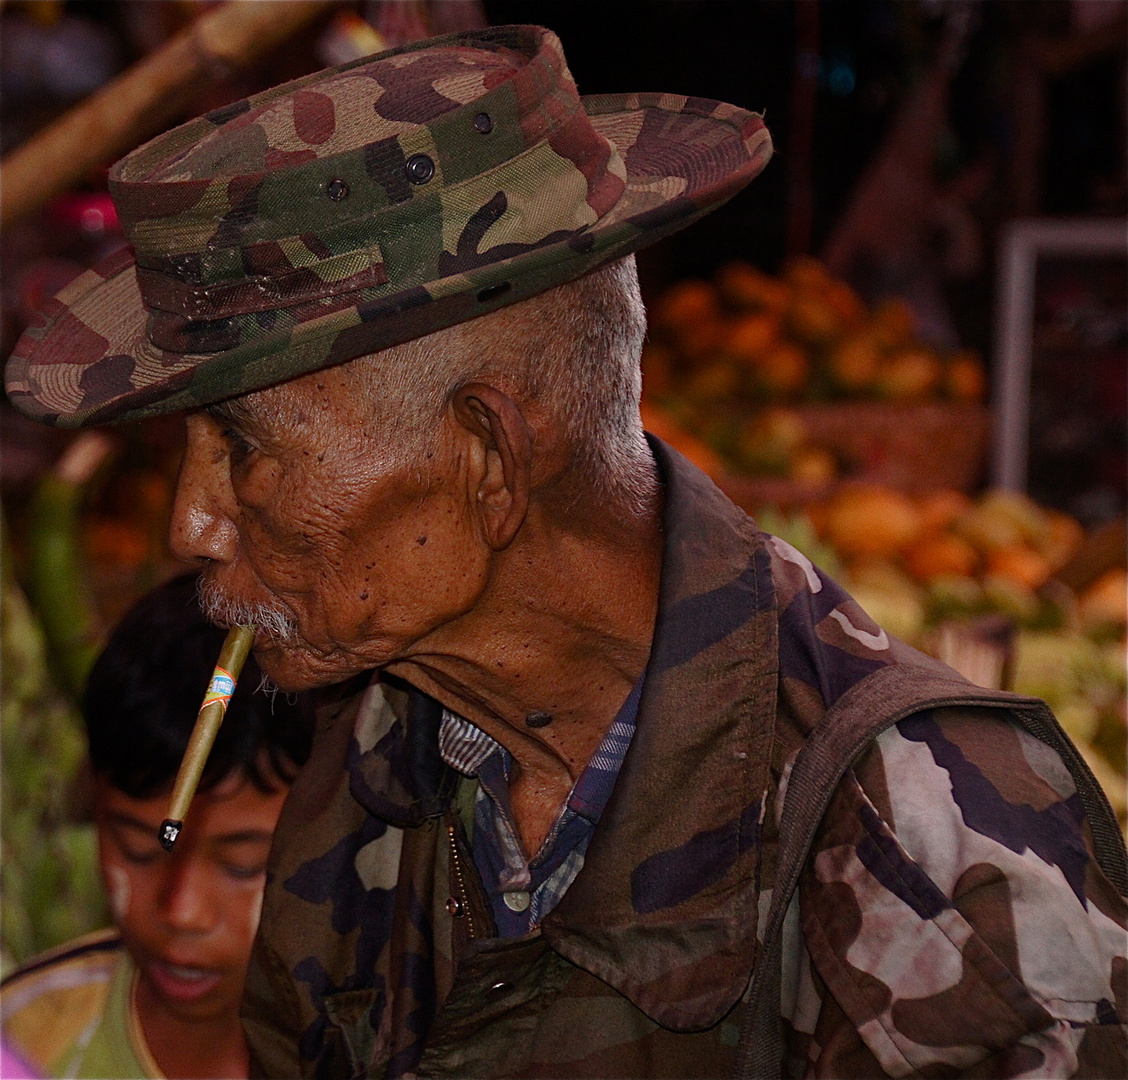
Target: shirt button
x,y
455,907
499,989
516,901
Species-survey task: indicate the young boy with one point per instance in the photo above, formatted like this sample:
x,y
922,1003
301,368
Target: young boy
x,y
158,995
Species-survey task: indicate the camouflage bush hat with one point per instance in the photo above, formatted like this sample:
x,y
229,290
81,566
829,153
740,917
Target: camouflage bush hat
x,y
363,206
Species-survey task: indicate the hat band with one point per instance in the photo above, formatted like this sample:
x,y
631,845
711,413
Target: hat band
x,y
173,333
289,285
176,333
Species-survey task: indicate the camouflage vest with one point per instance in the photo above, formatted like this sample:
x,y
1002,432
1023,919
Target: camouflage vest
x,y
376,955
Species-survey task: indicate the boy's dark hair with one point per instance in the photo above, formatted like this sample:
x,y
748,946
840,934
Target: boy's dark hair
x,y
146,688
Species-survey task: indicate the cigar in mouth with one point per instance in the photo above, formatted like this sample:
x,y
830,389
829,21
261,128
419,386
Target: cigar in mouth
x,y
232,656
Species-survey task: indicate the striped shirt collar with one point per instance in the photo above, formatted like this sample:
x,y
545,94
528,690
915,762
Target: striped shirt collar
x,y
498,854
465,747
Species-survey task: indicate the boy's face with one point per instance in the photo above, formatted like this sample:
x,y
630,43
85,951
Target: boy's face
x,y
188,917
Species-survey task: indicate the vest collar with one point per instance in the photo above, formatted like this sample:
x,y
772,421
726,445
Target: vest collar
x,y
665,907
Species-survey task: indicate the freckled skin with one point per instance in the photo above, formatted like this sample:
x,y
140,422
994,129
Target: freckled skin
x,y
482,578
336,542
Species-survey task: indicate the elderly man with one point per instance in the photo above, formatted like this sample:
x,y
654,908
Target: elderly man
x,y
578,702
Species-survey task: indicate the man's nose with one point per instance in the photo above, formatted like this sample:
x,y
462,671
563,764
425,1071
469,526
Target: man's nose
x,y
202,528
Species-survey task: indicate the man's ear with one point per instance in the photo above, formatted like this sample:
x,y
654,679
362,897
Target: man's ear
x,y
504,458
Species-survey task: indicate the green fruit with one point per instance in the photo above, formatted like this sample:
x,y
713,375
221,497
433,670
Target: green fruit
x,y
1009,597
899,613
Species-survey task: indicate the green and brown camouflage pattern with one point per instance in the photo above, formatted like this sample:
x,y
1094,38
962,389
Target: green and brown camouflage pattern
x,y
951,919
363,206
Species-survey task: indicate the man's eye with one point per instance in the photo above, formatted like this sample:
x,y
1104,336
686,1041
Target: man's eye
x,y
141,857
240,448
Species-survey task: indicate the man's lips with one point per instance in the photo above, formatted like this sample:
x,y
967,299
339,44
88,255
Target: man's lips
x,y
182,982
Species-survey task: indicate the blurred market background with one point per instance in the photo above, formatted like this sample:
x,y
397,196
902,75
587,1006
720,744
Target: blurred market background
x,y
903,349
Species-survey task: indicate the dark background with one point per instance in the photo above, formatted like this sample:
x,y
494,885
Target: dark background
x,y
868,55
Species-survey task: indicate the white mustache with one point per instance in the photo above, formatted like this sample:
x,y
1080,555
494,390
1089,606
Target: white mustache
x,y
273,620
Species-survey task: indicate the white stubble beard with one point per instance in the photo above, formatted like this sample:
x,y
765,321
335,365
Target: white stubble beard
x,y
273,620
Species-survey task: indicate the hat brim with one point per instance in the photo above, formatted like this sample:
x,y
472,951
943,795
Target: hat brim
x,y
87,358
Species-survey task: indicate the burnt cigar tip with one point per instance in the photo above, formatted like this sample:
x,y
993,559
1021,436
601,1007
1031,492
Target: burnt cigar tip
x,y
168,833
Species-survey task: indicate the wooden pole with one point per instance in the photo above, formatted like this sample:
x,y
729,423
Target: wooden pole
x,y
142,100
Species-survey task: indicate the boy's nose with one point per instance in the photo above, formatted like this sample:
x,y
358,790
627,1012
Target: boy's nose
x,y
186,901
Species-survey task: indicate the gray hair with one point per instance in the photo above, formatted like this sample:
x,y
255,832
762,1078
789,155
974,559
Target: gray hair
x,y
574,349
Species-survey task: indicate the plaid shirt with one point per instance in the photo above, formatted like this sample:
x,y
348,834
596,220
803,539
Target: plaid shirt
x,y
522,891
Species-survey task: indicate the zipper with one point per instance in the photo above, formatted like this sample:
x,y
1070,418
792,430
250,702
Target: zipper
x,y
459,880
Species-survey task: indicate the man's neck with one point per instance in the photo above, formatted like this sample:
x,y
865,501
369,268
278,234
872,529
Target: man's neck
x,y
545,662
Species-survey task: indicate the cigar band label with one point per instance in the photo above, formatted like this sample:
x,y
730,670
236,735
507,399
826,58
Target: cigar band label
x,y
220,689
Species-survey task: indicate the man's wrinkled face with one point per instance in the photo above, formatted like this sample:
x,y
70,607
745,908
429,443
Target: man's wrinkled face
x,y
342,560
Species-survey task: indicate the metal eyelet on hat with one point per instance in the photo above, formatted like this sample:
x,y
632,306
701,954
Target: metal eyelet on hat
x,y
420,168
492,292
337,190
483,123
